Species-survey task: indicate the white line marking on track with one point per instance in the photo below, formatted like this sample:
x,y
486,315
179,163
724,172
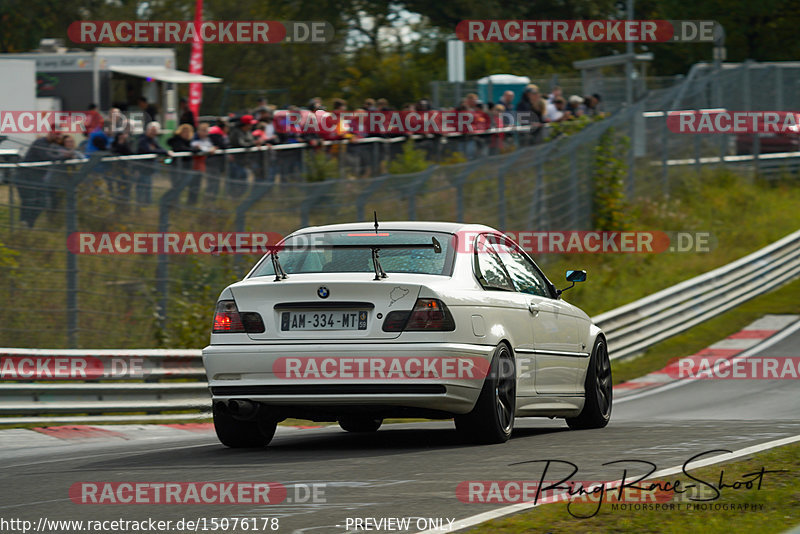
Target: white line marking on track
x,y
514,508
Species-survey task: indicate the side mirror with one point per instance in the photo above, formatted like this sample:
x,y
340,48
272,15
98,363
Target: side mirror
x,y
573,276
576,276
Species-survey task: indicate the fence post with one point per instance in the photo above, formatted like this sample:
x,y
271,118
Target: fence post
x,y
631,186
256,193
697,165
501,187
315,192
165,205
376,158
535,208
341,153
665,156
71,226
361,200
459,181
413,188
573,186
718,103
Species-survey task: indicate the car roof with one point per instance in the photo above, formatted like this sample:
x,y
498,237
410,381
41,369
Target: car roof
x,y
429,226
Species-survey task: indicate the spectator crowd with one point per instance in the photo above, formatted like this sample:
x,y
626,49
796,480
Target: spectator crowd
x,y
197,151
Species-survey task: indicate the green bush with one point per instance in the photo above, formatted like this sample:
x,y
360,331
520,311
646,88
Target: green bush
x,y
411,160
320,166
610,171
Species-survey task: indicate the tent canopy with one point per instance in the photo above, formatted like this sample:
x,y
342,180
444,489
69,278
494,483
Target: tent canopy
x,y
164,74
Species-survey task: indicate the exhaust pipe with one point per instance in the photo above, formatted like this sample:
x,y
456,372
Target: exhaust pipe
x,y
243,409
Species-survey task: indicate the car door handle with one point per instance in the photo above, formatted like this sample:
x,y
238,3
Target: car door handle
x,y
533,308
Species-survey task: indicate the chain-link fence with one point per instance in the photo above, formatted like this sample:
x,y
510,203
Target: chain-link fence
x,y
55,297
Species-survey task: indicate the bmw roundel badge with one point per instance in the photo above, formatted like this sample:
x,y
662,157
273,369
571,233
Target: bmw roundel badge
x,y
323,292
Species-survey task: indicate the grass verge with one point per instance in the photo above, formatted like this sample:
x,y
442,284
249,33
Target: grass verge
x,y
779,497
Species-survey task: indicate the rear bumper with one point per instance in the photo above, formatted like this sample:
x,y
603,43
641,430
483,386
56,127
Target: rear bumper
x,y
249,372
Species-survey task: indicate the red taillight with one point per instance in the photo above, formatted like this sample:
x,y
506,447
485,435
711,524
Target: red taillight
x,y
227,318
430,314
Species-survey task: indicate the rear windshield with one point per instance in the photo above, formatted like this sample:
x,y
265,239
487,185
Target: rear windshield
x,y
308,257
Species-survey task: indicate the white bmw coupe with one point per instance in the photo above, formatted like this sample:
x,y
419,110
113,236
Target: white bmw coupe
x,y
359,322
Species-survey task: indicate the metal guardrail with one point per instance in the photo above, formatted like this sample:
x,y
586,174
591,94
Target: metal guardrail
x,y
630,330
356,141
634,327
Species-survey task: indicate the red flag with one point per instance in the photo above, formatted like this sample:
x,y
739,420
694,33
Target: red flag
x,y
196,62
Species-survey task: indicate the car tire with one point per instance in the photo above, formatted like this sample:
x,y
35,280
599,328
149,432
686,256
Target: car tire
x,y
492,418
237,434
598,391
360,424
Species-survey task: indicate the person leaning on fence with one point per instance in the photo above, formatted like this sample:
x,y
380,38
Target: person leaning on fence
x,y
241,136
592,104
575,106
203,147
530,112
148,144
30,181
265,133
215,165
121,146
181,141
507,100
497,139
557,110
54,179
93,120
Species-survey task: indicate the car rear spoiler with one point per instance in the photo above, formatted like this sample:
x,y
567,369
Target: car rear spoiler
x,y
280,274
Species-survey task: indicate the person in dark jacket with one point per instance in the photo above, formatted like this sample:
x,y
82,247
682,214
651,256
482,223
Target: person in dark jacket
x,y
149,110
241,136
530,112
215,165
181,141
31,181
121,146
187,116
148,144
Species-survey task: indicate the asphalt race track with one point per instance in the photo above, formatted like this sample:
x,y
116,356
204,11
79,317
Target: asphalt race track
x,y
406,470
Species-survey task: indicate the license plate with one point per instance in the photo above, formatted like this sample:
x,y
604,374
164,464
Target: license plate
x,y
324,320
